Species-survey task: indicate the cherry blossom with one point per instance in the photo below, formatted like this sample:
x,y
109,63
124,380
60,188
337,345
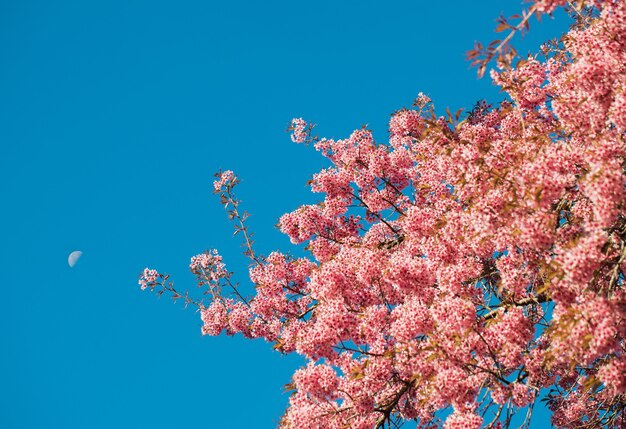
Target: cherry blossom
x,y
465,269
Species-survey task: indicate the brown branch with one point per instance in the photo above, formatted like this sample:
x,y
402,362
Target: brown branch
x,y
386,410
378,215
615,272
229,198
541,298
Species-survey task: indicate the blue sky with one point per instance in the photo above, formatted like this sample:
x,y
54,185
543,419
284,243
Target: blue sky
x,y
113,118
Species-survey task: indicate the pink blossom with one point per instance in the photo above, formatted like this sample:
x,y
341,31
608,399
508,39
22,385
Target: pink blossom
x,y
299,127
456,261
223,179
208,265
613,375
463,420
148,278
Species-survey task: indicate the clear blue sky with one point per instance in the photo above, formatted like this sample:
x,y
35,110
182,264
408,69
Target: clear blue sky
x,y
114,116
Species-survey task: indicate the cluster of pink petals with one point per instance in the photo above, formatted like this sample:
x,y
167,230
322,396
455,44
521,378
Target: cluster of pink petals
x,y
613,375
463,420
470,267
148,278
299,127
223,179
208,265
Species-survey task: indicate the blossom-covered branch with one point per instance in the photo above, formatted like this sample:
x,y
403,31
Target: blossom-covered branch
x,y
465,269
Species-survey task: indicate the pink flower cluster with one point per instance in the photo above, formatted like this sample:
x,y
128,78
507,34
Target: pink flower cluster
x,y
468,267
613,375
223,179
463,420
148,278
299,127
208,265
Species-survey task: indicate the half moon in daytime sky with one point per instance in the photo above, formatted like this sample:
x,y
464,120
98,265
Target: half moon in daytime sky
x,y
74,257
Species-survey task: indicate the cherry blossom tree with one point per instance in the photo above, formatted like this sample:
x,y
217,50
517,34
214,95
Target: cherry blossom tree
x,y
467,268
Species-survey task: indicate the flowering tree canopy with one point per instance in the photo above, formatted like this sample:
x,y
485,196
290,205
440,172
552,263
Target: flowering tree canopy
x,y
465,269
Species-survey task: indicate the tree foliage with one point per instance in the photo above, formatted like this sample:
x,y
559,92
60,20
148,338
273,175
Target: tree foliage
x,y
465,269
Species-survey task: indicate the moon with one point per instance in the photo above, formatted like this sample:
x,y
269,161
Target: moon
x,y
74,257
